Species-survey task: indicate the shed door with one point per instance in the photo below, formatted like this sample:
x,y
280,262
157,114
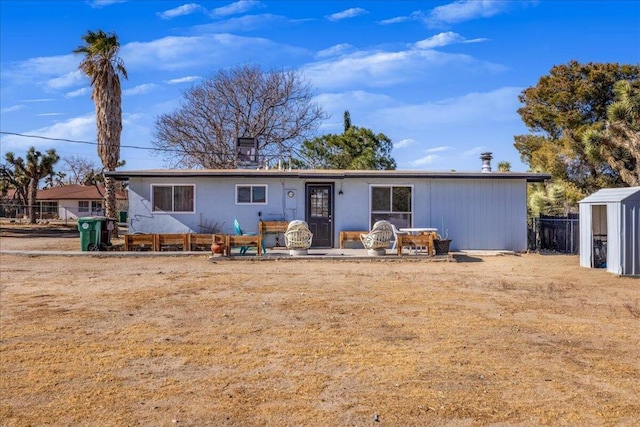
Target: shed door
x,y
320,214
599,236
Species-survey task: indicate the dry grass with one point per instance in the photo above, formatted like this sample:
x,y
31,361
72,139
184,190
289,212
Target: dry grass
x,y
512,340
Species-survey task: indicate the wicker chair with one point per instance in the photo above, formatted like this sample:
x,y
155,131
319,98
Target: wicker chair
x,y
298,237
377,240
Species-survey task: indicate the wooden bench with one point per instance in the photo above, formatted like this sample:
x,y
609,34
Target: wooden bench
x,y
350,236
200,242
234,241
416,241
140,242
172,242
272,227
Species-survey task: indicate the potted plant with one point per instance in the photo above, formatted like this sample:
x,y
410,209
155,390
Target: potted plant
x,y
441,244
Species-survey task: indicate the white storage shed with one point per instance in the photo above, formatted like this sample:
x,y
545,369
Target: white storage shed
x,y
610,230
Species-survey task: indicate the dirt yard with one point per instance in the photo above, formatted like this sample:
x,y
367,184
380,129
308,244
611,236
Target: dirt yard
x,y
510,340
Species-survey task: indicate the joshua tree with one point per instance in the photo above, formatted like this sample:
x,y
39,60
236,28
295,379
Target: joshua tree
x,y
103,67
618,141
36,167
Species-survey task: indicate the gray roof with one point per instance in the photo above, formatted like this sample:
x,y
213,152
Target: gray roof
x,y
613,195
322,174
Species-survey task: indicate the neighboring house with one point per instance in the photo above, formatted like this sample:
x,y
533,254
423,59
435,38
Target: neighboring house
x,y
477,210
610,230
73,201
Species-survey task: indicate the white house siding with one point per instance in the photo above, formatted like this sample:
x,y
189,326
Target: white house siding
x,y
214,205
68,209
487,214
474,213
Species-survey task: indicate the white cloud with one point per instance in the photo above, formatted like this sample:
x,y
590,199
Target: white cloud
x,y
178,53
415,16
475,151
187,79
439,40
185,9
445,39
466,10
244,24
50,114
79,92
426,160
438,149
67,80
140,89
236,8
384,68
102,3
82,128
349,13
11,109
39,100
404,143
336,50
396,20
40,68
473,109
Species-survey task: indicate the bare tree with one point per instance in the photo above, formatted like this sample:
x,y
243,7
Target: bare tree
x,y
79,170
275,107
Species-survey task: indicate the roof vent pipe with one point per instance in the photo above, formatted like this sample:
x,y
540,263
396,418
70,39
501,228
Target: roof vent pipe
x,y
486,162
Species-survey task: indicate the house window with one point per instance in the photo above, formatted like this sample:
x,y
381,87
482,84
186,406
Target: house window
x,y
83,206
392,203
251,194
172,198
96,207
48,210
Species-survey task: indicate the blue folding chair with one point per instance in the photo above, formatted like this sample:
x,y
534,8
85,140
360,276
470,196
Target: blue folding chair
x,y
238,230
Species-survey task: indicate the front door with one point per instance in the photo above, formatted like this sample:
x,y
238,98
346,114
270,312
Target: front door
x,y
320,213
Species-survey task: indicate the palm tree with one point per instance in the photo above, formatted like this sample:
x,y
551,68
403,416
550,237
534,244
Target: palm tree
x,y
504,166
103,67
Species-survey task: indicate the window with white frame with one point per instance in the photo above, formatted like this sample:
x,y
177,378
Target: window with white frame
x,y
173,198
392,203
83,206
251,194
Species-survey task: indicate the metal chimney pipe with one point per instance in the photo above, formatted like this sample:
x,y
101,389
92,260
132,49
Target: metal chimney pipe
x,y
486,162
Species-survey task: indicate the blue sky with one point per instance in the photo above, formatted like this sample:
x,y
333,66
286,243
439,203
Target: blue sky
x,y
440,78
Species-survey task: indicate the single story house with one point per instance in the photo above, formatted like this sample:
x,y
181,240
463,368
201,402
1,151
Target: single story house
x,y
477,210
69,202
610,230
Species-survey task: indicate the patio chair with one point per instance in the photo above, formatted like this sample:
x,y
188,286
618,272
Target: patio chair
x,y
377,240
240,232
397,233
298,237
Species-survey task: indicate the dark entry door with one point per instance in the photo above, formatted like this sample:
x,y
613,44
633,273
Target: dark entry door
x,y
320,213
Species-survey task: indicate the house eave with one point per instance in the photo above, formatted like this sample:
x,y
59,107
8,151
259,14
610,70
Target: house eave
x,y
310,174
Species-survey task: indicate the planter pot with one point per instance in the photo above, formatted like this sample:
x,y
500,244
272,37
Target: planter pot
x,y
441,246
217,248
